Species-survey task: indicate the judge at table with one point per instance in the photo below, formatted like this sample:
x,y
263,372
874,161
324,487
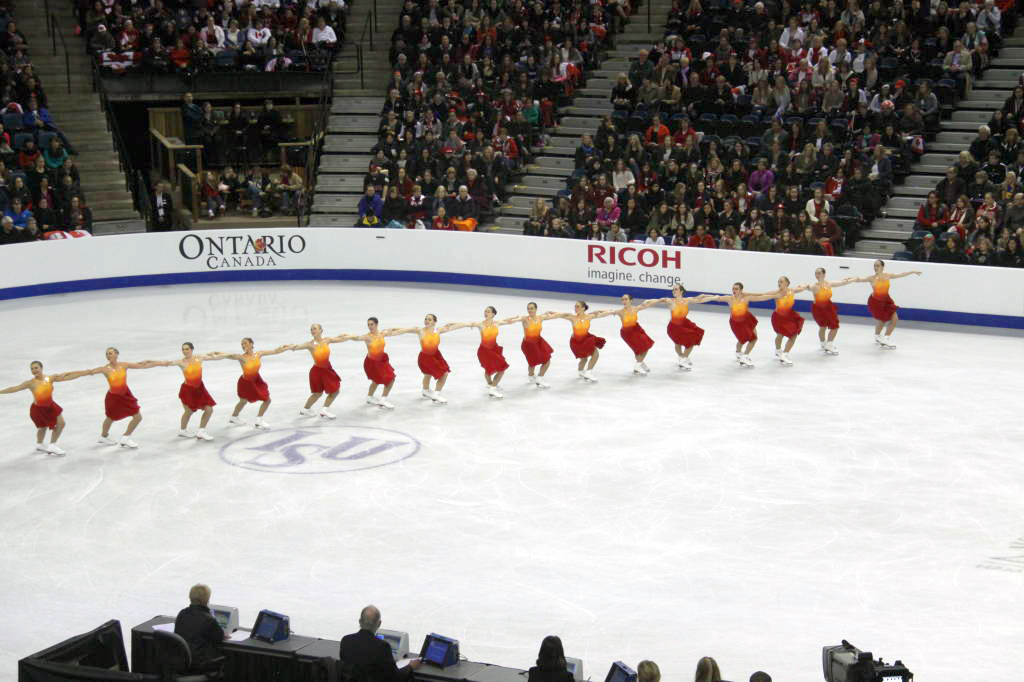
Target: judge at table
x,y
364,658
197,626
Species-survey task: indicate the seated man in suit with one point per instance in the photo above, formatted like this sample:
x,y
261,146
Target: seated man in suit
x,y
364,658
197,626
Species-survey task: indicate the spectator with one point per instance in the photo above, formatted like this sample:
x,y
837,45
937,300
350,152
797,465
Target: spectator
x,y
551,665
210,193
463,210
608,213
654,238
700,238
370,207
288,189
197,626
983,144
932,215
9,234
617,234
648,671
707,671
760,677
394,209
365,657
163,208
257,187
18,214
927,251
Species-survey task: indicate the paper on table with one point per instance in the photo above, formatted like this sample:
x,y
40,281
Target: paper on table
x,y
238,636
402,662
164,627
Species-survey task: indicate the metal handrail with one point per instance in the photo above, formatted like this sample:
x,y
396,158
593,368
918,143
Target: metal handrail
x,y
375,13
316,141
366,25
133,179
53,29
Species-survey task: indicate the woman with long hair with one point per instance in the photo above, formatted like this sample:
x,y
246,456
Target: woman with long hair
x,y
551,665
881,304
707,671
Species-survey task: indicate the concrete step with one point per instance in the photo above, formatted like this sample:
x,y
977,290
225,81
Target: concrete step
x,y
349,143
931,169
1007,63
965,126
518,211
344,163
962,139
578,129
951,147
542,181
339,184
112,227
915,180
897,224
932,158
580,122
894,235
867,253
879,248
346,203
548,165
980,104
970,116
340,123
597,112
916,191
357,105
977,95
537,191
897,202
333,219
894,212
1012,53
508,224
988,83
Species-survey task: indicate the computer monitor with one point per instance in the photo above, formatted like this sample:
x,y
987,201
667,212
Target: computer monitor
x,y
575,668
440,651
226,617
620,672
271,627
398,641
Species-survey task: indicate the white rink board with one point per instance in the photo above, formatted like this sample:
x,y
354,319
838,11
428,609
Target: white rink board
x,y
945,293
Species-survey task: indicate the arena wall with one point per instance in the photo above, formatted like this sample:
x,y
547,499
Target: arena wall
x,y
945,293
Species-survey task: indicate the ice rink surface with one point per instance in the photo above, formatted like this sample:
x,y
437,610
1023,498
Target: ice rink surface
x,y
750,515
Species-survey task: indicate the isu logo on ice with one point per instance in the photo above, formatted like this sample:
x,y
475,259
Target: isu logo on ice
x,y
319,450
240,250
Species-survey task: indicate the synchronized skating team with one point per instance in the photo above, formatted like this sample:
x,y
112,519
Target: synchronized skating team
x,y
324,381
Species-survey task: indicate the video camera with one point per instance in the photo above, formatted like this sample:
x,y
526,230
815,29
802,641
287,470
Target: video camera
x,y
846,663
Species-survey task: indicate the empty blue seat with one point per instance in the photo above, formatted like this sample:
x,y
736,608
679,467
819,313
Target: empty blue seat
x,y
13,122
20,139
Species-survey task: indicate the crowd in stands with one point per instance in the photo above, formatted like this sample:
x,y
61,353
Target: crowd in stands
x,y
768,126
976,212
474,88
40,187
186,38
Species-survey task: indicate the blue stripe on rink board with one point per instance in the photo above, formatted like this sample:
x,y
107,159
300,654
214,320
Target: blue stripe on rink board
x,y
916,314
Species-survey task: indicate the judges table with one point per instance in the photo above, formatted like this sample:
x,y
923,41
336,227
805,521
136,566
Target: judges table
x,y
302,659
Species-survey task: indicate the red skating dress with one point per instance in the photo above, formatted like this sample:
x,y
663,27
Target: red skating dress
x,y
879,302
785,320
119,402
681,330
634,335
742,322
322,377
44,411
193,393
251,386
430,360
376,365
583,343
489,353
535,348
823,309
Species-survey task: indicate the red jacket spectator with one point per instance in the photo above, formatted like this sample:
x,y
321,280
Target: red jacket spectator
x,y
656,132
931,217
702,239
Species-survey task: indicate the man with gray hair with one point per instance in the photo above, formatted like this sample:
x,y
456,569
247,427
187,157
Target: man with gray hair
x,y
197,626
364,658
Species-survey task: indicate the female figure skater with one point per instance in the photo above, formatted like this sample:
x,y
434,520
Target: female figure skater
x,y
584,345
633,334
880,303
44,412
430,361
251,386
119,402
683,332
534,347
743,324
376,365
322,377
193,393
786,322
824,310
490,354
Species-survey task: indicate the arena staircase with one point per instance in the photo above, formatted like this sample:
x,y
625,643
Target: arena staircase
x,y
546,177
887,235
355,113
80,116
